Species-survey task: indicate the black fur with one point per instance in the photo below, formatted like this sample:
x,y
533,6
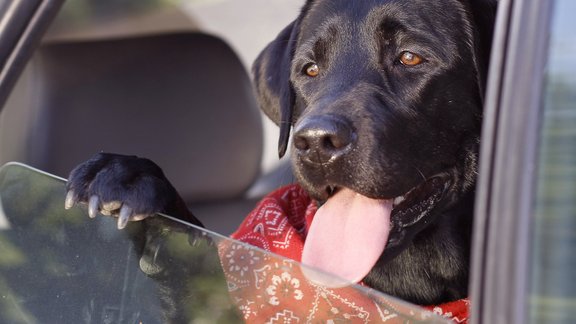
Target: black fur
x,y
409,124
369,123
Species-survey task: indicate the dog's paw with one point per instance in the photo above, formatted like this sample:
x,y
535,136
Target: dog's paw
x,y
127,187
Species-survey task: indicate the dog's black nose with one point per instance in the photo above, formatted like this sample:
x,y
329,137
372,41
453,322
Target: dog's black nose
x,y
321,139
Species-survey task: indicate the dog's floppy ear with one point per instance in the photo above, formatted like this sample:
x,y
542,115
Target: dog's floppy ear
x,y
272,80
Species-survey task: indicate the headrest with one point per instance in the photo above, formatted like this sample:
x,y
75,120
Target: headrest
x,y
183,100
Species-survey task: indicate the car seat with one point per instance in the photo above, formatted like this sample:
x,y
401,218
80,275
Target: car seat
x,y
182,99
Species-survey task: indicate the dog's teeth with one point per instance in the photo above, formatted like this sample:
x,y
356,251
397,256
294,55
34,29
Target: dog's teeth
x,y
397,201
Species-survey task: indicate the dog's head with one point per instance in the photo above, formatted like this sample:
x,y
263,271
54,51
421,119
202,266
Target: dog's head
x,y
385,101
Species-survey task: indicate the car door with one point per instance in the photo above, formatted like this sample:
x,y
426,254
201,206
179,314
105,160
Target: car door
x,y
525,215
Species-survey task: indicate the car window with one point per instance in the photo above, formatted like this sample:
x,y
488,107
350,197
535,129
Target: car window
x,y
60,266
553,280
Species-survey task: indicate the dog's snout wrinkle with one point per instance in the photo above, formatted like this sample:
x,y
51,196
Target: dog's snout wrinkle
x,y
321,139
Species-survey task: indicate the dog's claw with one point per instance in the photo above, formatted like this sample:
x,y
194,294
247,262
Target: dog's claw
x,y
93,205
70,200
124,216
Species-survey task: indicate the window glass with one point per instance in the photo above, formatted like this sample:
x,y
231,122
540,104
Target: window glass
x,y
60,266
553,289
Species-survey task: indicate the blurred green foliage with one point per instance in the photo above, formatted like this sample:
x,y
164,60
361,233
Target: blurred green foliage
x,y
553,288
59,264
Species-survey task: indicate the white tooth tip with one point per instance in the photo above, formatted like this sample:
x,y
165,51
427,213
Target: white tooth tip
x,y
398,200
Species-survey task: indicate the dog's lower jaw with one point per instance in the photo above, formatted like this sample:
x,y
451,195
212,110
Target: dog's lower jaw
x,y
433,267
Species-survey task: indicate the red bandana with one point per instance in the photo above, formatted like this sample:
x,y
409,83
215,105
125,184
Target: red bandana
x,y
277,292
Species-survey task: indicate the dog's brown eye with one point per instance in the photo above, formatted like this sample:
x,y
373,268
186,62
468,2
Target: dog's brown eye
x,y
410,59
312,70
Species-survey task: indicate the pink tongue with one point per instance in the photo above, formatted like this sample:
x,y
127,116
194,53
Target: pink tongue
x,y
348,234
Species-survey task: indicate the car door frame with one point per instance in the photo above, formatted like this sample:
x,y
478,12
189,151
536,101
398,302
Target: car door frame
x,y
507,172
22,25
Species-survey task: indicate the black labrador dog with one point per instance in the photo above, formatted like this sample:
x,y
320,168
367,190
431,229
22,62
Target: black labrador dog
x,y
384,100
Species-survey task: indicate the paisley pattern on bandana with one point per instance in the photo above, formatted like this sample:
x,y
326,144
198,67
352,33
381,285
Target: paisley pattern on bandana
x,y
274,290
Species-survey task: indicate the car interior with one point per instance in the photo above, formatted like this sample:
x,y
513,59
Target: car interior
x,y
182,98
